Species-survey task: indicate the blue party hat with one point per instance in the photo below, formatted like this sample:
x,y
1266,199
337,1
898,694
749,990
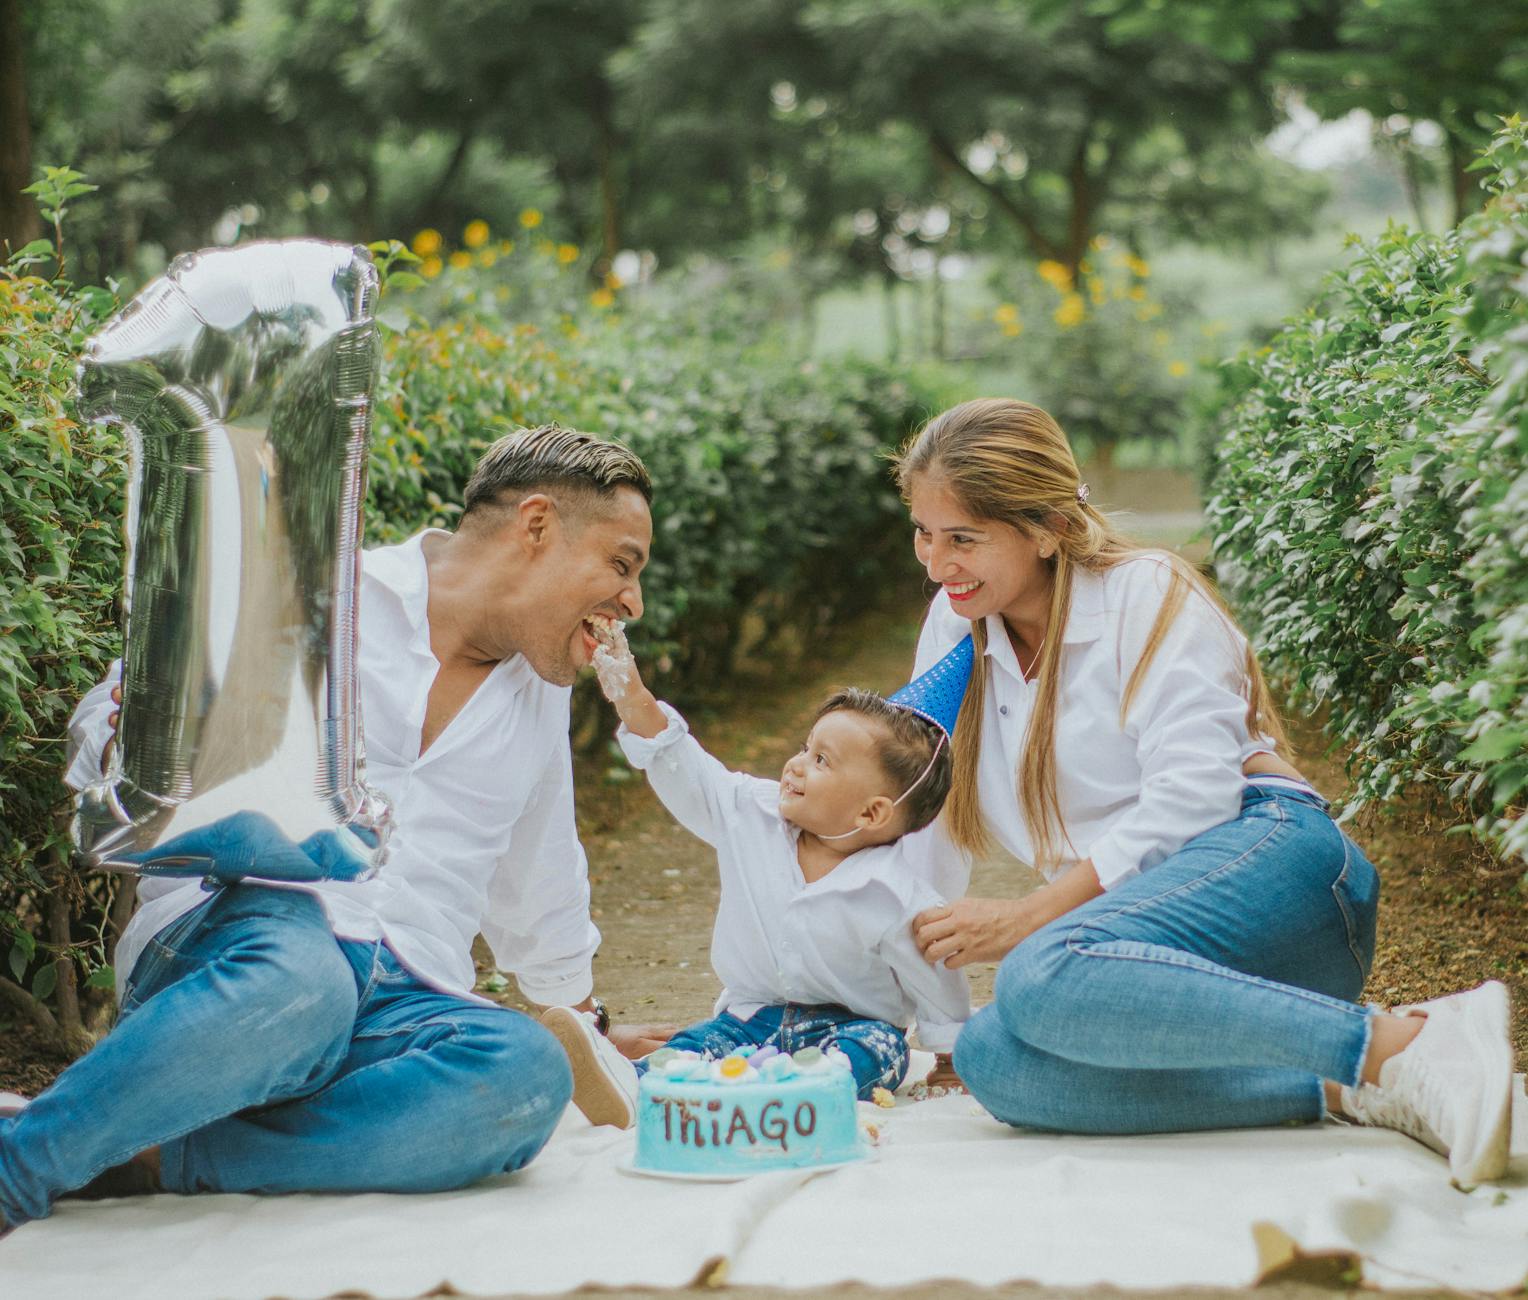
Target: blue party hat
x,y
936,694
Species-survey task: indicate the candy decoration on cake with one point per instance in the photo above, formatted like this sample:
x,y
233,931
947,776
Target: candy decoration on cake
x,y
749,1112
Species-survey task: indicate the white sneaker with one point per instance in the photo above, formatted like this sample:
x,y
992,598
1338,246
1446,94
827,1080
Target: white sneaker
x,y
1451,1087
604,1081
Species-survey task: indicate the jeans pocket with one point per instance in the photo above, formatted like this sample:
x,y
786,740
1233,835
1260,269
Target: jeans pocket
x,y
1356,892
159,955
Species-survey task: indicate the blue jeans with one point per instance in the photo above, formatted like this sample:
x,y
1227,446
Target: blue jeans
x,y
876,1050
1214,990
262,1054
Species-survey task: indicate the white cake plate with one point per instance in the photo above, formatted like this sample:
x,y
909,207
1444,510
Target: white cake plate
x,y
628,1166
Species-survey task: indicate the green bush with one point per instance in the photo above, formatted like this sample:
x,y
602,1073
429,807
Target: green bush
x,y
774,510
1370,508
1099,349
60,572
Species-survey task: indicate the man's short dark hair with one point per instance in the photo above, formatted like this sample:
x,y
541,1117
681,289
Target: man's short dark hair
x,y
564,463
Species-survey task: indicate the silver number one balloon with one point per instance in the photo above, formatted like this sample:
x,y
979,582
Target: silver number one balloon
x,y
243,381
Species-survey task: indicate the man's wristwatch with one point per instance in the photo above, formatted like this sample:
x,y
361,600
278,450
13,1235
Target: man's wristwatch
x,y
601,1015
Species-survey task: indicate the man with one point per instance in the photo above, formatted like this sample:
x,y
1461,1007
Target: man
x,y
325,1037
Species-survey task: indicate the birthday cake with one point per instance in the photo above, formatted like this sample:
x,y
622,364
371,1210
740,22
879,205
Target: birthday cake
x,y
747,1113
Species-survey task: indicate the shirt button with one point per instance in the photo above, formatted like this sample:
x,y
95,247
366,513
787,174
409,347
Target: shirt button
x,y
1003,709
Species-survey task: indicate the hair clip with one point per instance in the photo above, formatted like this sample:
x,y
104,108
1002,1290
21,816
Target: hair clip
x,y
1082,494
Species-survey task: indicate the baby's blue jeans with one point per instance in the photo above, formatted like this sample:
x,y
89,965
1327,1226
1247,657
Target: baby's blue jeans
x,y
876,1050
1214,990
262,1054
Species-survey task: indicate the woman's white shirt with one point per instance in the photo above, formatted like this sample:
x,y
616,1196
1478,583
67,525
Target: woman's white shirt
x,y
843,939
1131,793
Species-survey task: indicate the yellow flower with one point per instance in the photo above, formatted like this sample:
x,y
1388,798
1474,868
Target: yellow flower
x,y
476,234
487,257
460,260
530,218
613,281
1177,369
567,253
1138,268
602,298
1161,338
506,247
426,243
431,267
1054,274
1072,311
1097,291
1006,314
1012,329
1137,294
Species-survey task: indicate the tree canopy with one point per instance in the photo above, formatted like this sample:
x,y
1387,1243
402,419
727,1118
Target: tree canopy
x,y
858,132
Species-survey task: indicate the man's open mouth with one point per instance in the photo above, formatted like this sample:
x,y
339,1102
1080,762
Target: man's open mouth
x,y
601,630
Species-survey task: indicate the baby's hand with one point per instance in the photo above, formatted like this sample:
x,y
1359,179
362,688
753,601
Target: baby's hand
x,y
614,667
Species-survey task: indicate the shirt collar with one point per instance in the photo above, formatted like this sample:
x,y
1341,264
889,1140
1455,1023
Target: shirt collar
x,y
1084,620
401,571
879,862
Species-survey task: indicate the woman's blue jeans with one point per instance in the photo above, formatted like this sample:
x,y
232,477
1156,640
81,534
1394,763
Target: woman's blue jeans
x,y
877,1051
1215,990
262,1054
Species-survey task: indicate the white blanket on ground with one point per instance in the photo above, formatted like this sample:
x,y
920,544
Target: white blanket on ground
x,y
953,1194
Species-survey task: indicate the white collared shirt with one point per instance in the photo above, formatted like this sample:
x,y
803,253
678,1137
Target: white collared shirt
x,y
484,836
1130,795
843,939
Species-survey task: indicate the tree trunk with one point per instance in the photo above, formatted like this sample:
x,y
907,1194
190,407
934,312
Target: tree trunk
x,y
19,222
937,309
439,195
893,325
66,994
1079,221
1411,178
605,148
122,905
949,156
1466,188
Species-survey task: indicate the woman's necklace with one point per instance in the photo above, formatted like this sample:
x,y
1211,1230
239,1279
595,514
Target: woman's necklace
x,y
1034,663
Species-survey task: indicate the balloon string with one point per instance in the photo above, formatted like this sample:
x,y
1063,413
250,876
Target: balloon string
x,y
934,759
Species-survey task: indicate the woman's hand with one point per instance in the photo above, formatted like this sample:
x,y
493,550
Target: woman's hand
x,y
971,930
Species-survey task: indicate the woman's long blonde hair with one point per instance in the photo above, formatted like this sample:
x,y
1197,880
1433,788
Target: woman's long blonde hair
x,y
1009,461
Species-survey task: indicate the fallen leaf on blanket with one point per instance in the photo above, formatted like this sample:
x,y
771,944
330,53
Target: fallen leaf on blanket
x,y
1280,1258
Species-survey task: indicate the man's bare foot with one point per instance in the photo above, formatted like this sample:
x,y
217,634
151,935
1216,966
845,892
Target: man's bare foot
x,y
636,1041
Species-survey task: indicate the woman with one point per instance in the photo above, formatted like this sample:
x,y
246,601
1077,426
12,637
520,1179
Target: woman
x,y
1194,958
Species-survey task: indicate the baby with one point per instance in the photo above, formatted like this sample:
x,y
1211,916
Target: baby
x,y
812,938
